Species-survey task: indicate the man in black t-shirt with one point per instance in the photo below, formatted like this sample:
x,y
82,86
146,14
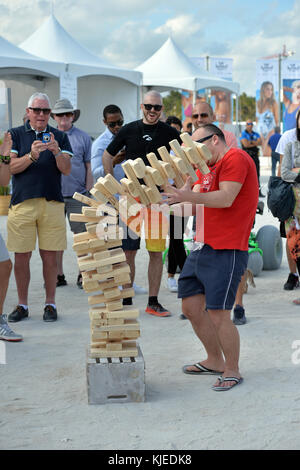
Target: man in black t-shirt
x,y
140,138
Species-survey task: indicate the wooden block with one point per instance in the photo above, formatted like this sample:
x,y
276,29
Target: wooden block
x,y
155,174
114,305
195,158
83,218
154,194
99,195
100,299
91,228
102,352
80,237
139,167
81,246
168,170
129,186
114,346
166,157
156,164
99,186
129,172
112,293
116,270
85,200
193,153
179,152
184,168
203,151
105,269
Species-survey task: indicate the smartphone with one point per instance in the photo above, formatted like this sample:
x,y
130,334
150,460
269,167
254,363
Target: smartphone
x,y
46,137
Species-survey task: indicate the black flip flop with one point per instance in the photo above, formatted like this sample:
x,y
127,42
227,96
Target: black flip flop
x,y
202,370
218,388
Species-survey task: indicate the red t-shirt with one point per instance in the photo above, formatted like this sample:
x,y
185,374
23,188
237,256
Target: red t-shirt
x,y
230,227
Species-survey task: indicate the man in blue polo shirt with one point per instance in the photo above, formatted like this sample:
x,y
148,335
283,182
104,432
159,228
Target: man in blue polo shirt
x,y
40,154
250,141
273,141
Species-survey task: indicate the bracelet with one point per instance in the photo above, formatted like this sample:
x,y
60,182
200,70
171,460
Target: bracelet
x,y
5,159
32,158
59,152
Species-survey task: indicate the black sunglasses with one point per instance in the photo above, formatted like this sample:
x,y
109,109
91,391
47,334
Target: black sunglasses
x,y
67,114
156,107
40,110
205,138
249,123
113,124
203,115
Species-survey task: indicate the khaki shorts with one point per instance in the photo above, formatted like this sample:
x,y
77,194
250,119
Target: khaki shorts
x,y
36,217
156,230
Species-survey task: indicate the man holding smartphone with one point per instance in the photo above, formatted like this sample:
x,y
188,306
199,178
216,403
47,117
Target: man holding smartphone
x,y
37,204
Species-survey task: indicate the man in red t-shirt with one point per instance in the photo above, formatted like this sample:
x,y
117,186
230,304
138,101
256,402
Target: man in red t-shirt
x,y
211,274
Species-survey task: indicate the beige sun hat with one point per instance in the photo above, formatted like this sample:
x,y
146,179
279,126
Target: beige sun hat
x,y
64,106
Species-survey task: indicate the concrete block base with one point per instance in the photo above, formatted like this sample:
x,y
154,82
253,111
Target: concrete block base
x,y
115,380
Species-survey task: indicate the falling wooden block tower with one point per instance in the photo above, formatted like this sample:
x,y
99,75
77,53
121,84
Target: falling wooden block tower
x,y
102,262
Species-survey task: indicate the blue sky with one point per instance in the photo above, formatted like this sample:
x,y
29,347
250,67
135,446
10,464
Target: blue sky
x,y
127,32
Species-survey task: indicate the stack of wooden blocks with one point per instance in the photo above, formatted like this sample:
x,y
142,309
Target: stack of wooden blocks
x,y
102,262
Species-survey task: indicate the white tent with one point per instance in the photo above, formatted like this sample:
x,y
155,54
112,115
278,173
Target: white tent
x,y
169,68
99,83
24,74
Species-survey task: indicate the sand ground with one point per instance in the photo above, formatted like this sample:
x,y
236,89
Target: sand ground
x,y
43,383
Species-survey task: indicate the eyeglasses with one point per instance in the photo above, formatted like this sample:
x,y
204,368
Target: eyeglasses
x,y
113,124
202,115
40,110
156,107
205,138
67,114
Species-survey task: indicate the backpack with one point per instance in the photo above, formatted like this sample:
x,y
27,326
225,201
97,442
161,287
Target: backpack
x,y
281,199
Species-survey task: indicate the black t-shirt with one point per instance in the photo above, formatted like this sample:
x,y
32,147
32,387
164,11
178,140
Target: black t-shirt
x,y
139,139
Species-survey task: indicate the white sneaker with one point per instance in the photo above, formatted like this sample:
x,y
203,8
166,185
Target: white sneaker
x,y
172,284
6,332
139,289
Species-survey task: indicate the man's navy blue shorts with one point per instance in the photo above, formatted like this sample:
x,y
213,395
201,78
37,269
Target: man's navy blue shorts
x,y
214,273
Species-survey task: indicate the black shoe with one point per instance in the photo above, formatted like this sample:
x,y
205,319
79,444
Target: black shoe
x,y
127,301
182,317
79,281
292,282
50,313
18,314
61,281
239,315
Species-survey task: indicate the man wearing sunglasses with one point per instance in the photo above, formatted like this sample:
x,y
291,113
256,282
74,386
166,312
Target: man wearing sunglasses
x,y
210,277
37,204
80,179
113,120
204,114
140,138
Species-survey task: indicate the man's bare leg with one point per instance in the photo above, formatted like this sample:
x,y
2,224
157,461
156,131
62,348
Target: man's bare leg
x,y
155,269
22,275
130,260
229,340
50,274
194,309
5,270
59,261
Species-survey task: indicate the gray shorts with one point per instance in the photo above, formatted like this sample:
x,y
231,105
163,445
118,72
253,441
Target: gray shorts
x,y
74,206
4,256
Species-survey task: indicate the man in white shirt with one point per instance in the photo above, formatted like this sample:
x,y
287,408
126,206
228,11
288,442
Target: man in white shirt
x,y
113,119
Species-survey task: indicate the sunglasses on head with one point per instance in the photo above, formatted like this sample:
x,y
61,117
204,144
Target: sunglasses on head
x,y
205,138
40,110
202,115
115,123
67,114
156,107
